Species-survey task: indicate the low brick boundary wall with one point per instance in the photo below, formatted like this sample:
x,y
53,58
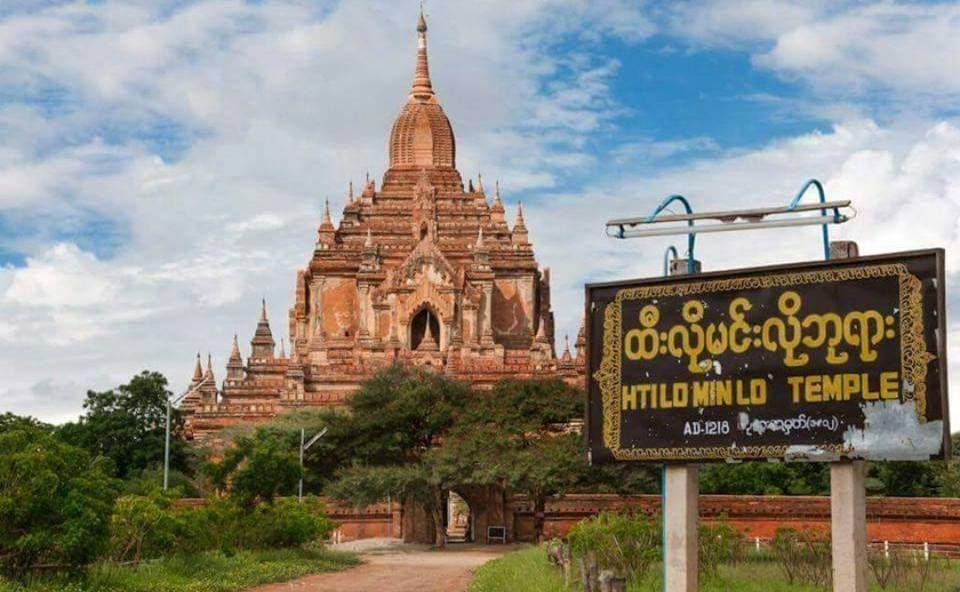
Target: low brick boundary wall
x,y
903,521
898,520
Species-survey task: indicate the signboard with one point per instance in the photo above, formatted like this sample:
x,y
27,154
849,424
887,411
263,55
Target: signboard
x,y
817,361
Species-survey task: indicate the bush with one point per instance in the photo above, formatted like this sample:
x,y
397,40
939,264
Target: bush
x,y
627,544
719,543
142,526
803,556
150,482
227,526
286,523
55,502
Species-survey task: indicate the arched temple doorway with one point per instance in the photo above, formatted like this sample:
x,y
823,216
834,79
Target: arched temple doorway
x,y
425,331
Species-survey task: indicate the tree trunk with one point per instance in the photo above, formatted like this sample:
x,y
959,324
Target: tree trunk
x,y
440,533
539,517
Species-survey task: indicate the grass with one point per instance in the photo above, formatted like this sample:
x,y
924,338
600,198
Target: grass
x,y
203,572
527,570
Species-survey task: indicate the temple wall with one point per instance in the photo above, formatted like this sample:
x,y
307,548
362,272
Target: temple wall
x,y
513,306
897,520
340,306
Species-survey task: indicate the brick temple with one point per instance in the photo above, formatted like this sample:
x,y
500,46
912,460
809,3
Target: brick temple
x,y
422,270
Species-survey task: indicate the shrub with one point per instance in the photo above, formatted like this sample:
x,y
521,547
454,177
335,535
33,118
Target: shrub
x,y
719,543
803,556
625,543
286,523
227,526
55,502
142,526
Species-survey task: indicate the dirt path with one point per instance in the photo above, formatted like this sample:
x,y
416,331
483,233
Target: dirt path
x,y
411,571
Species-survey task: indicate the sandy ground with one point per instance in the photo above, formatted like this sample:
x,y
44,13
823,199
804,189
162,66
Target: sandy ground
x,y
399,569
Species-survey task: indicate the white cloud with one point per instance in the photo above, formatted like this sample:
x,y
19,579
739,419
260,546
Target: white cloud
x,y
843,48
64,277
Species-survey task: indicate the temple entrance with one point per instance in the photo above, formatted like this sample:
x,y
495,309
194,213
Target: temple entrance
x,y
425,331
459,519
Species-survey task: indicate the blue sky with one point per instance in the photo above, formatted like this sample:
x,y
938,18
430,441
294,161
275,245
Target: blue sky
x,y
163,163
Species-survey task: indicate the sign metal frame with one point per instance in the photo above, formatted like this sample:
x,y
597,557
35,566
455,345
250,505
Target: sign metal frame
x,y
603,421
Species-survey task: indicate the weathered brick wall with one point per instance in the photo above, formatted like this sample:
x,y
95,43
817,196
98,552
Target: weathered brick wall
x,y
897,520
900,520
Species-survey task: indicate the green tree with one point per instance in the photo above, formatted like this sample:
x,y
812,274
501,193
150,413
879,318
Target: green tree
x,y
257,469
394,419
128,425
399,414
55,501
514,437
9,421
905,478
760,478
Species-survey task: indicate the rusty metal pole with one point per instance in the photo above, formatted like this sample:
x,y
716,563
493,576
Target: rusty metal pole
x,y
681,507
848,500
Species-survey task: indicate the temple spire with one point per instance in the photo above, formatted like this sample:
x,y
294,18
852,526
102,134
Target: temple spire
x,y
262,342
566,360
326,213
197,372
235,363
422,87
208,376
350,193
326,233
519,233
496,209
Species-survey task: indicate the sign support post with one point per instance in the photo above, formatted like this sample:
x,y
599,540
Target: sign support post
x,y
681,504
848,522
681,514
848,500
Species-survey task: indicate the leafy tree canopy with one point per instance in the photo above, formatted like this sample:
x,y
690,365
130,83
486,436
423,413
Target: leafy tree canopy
x,y
257,469
55,501
9,421
399,413
128,425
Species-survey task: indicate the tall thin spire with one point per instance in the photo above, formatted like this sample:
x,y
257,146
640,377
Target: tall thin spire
x,y
197,372
422,87
326,213
209,374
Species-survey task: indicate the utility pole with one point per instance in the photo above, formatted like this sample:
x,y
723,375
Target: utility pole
x,y
304,448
